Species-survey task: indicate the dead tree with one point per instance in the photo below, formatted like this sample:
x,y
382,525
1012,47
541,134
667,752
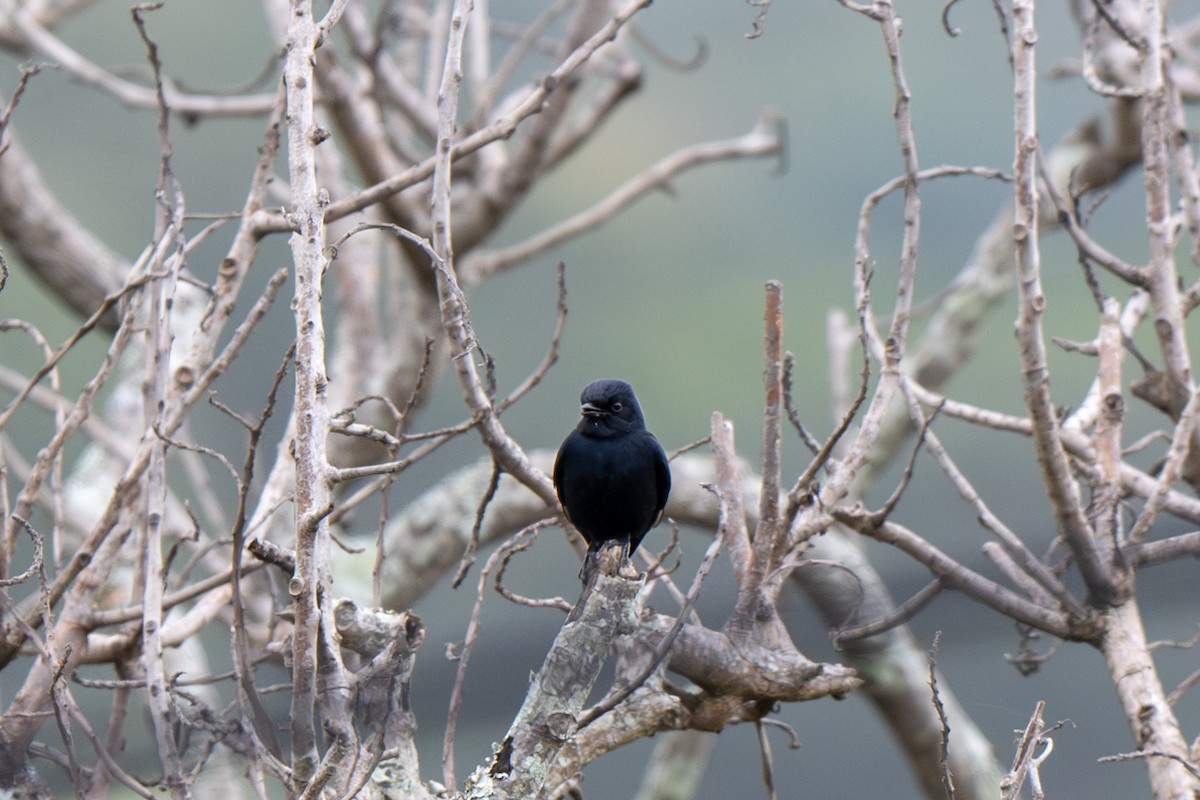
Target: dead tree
x,y
409,136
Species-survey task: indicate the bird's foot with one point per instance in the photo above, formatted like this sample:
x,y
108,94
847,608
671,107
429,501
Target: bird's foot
x,y
612,559
612,555
587,573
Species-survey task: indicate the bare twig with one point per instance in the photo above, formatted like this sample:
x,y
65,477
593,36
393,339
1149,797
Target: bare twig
x,y
501,128
313,500
731,515
551,357
1010,787
454,309
940,708
770,534
468,557
899,616
1069,513
766,761
955,575
1148,754
132,94
27,72
160,300
765,139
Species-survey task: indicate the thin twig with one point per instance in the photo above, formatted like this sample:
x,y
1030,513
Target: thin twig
x,y
943,721
899,616
551,357
766,762
468,558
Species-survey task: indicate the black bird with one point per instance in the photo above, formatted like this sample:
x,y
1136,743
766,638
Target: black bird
x,y
611,474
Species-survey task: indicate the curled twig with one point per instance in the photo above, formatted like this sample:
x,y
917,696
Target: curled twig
x,y
36,567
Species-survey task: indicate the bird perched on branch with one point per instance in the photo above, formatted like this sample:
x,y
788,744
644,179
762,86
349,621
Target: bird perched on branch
x,y
611,474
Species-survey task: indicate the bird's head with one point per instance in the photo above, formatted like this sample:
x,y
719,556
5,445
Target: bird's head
x,y
610,406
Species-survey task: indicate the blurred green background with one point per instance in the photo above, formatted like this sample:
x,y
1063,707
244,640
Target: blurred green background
x,y
669,297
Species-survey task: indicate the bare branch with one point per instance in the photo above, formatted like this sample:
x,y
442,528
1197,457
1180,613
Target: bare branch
x,y
766,139
81,69
1010,787
728,488
1103,585
501,128
310,654
954,575
548,717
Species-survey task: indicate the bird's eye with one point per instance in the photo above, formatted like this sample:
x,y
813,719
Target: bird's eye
x,y
617,406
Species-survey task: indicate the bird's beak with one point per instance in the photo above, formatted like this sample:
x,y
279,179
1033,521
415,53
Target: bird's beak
x,y
589,410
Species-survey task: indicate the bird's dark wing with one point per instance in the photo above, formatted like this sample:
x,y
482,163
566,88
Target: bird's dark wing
x,y
559,474
662,480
